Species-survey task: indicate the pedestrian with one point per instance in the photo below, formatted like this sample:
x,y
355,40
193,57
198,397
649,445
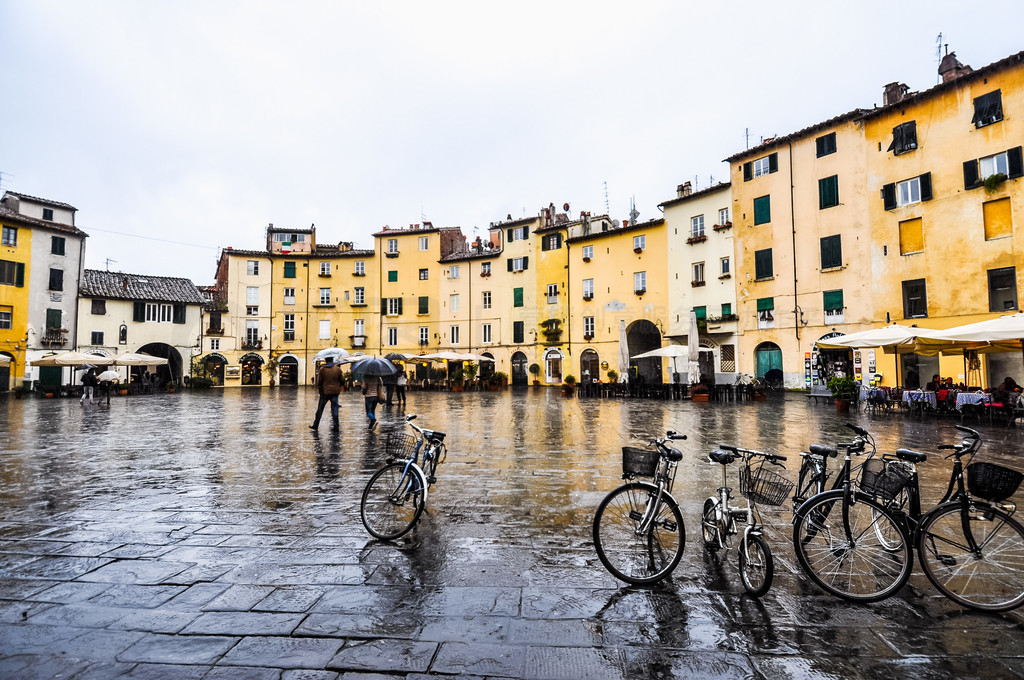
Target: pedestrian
x,y
88,386
390,382
373,394
328,384
400,387
105,390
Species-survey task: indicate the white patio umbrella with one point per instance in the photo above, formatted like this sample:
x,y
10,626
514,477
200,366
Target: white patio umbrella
x,y
4,360
672,352
693,344
336,352
469,356
446,355
623,353
73,359
139,359
892,338
108,375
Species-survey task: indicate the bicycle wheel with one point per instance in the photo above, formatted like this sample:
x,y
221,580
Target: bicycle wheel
x,y
756,566
992,579
634,557
809,482
858,568
710,525
392,501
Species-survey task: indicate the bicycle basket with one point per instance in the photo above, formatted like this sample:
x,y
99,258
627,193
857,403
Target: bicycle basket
x,y
884,479
764,486
639,462
992,482
399,445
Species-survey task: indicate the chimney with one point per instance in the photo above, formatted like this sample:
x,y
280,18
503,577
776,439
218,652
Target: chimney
x,y
950,68
684,189
894,92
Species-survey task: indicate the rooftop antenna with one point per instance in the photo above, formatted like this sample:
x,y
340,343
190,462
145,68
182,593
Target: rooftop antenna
x,y
108,261
633,213
938,56
607,209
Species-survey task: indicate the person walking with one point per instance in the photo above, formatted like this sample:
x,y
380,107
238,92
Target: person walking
x,y
328,384
373,394
88,386
400,387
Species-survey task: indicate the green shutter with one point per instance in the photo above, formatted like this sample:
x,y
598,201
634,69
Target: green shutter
x,y
393,276
178,313
138,311
833,299
289,270
517,297
828,192
764,304
424,304
762,210
53,317
19,274
831,252
701,313
763,264
727,309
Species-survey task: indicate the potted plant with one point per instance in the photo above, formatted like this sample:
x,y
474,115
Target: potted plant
x,y
497,380
456,376
20,390
470,372
700,392
171,386
613,375
844,390
535,371
569,385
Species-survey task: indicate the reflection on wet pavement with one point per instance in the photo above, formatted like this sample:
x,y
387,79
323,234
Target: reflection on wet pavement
x,y
166,535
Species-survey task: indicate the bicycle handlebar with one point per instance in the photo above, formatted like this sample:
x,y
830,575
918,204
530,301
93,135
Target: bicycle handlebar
x,y
859,430
770,457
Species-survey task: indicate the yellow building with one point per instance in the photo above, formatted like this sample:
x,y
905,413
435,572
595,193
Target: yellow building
x,y
15,267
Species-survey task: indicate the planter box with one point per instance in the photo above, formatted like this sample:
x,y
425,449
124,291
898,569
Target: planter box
x,y
705,396
760,397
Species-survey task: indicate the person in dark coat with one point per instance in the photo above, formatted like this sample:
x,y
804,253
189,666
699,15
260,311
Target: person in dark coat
x,y
328,384
88,386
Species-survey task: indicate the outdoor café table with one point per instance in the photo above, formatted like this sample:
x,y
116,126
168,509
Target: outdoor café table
x,y
909,397
970,398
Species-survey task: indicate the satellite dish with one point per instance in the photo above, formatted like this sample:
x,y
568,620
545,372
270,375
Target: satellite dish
x,y
615,224
565,207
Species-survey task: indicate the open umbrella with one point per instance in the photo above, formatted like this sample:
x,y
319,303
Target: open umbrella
x,y
108,375
335,352
672,352
73,359
139,359
374,366
469,356
446,355
623,353
693,355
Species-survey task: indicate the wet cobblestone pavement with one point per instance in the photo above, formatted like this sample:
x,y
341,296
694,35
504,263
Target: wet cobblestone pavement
x,y
213,535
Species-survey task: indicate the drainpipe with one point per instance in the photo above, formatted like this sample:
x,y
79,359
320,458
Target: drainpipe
x,y
270,331
469,304
792,220
78,291
305,344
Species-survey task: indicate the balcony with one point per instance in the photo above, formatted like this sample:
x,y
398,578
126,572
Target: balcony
x,y
698,284
391,255
721,324
246,344
720,227
358,273
54,337
357,341
588,296
215,331
640,291
697,239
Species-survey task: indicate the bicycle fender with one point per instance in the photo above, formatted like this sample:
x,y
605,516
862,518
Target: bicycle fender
x,y
423,480
835,494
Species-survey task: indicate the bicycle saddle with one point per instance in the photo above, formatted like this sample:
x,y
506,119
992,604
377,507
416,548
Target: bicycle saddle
x,y
911,456
434,435
822,450
722,457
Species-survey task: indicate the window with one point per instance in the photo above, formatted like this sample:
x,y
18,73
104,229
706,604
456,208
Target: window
x,y
763,264
393,246
998,218
252,295
723,216
994,165
56,279
6,318
359,296
697,226
359,327
487,299
552,293
761,166
726,309
588,289
152,313
702,316
588,326
453,303
393,276
424,305
639,242
825,145
911,236
12,273
424,335
698,272
10,236
325,296
588,252
289,327
907,192
392,337
325,268
424,242
454,334
453,271
166,312
485,268
517,297
831,251
178,312
215,320
252,310
728,358
551,242
252,267
828,192
988,109
517,264
1002,289
214,344
289,296
517,234
1009,163
53,318
424,274
99,307
97,338
904,138
518,331
765,313
725,266
360,268
833,306
915,299
762,210
252,332
48,215
394,306
57,245
640,282
325,329
485,333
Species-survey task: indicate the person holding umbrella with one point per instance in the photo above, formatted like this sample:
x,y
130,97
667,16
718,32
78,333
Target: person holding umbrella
x,y
373,394
328,384
88,385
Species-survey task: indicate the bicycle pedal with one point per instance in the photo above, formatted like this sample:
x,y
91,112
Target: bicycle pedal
x,y
636,515
669,526
431,479
947,560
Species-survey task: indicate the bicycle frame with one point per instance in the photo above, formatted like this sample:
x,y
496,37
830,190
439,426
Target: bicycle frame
x,y
663,479
431,456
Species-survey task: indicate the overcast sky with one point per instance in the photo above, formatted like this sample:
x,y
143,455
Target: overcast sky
x,y
178,128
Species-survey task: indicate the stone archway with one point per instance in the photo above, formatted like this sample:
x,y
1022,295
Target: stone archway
x,y
643,336
288,370
213,367
590,366
519,376
7,369
252,369
767,357
172,370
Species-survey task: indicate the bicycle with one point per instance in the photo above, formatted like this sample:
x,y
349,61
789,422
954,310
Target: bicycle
x,y
638,529
396,494
720,519
814,474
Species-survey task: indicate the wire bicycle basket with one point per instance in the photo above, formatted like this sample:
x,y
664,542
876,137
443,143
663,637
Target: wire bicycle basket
x,y
764,486
992,482
638,462
884,479
400,445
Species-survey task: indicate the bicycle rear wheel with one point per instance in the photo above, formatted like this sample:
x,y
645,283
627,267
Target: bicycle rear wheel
x,y
632,556
712,527
392,501
992,579
869,565
756,566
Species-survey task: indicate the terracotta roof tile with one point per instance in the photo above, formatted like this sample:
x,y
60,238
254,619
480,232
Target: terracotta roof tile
x,y
120,286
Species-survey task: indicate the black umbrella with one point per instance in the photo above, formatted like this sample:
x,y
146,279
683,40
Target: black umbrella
x,y
374,366
395,356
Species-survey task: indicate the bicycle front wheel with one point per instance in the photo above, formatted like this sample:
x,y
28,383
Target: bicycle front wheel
x,y
392,501
756,565
864,558
990,579
632,554
711,525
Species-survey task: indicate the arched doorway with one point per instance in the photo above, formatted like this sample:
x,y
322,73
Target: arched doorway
x,y
553,366
288,371
767,357
252,369
519,369
590,366
487,367
213,368
6,370
167,372
643,336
